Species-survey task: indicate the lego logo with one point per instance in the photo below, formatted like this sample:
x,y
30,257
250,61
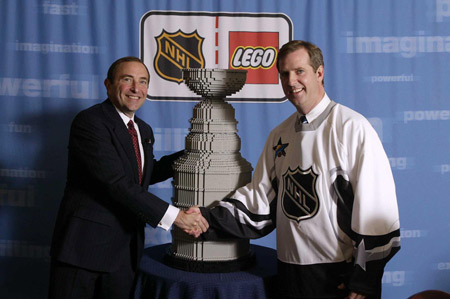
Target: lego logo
x,y
253,57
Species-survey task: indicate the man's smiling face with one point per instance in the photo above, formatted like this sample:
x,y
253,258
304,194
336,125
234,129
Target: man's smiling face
x,y
128,90
301,84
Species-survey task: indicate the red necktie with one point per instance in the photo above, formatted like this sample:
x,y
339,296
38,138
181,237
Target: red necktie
x,y
134,136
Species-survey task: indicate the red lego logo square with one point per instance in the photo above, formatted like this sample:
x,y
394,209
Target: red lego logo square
x,y
255,52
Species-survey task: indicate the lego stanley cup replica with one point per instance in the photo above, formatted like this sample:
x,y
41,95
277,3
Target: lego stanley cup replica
x,y
211,169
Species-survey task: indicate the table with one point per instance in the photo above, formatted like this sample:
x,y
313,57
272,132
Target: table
x,y
157,280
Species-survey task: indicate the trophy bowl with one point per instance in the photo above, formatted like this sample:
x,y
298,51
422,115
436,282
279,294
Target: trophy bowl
x,y
214,83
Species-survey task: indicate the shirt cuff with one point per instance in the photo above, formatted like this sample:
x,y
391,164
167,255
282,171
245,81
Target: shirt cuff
x,y
169,218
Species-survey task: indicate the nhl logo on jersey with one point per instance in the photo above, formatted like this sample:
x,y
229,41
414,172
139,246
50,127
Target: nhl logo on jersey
x,y
299,200
177,51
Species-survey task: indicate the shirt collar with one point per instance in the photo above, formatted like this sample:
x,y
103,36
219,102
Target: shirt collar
x,y
316,111
124,118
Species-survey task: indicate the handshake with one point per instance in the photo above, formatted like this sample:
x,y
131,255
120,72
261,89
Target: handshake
x,y
192,222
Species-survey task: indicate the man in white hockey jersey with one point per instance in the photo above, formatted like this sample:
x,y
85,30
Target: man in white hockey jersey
x,y
324,181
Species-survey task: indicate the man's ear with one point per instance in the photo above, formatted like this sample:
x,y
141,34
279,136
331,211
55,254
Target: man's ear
x,y
320,73
107,83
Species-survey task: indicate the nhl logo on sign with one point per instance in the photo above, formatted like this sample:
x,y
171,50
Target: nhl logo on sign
x,y
176,51
299,200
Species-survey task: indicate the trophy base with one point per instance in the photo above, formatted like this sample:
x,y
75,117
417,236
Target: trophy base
x,y
190,265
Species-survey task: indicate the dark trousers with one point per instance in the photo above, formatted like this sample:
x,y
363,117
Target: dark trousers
x,y
67,281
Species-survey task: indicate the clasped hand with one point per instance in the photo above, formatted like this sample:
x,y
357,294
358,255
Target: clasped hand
x,y
192,222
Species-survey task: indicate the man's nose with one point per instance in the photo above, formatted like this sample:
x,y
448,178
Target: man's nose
x,y
133,86
292,79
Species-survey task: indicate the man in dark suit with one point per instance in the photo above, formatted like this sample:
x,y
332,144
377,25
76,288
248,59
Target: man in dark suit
x,y
99,232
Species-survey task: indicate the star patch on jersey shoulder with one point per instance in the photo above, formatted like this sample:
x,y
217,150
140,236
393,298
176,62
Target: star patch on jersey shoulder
x,y
279,148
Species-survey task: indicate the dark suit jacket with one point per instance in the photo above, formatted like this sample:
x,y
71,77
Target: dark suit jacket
x,y
103,212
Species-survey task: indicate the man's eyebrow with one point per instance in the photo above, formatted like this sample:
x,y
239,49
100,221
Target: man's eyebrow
x,y
128,75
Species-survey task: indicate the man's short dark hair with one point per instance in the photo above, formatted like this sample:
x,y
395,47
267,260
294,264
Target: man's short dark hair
x,y
113,68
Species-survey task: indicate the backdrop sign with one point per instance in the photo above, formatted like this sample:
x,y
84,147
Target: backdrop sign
x,y
173,40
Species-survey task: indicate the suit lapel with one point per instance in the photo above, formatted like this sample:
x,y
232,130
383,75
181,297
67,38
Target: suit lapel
x,y
147,140
122,135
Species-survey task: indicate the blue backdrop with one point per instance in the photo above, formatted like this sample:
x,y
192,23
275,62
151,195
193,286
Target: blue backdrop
x,y
389,60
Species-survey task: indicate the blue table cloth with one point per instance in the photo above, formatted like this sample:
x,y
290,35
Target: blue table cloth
x,y
157,280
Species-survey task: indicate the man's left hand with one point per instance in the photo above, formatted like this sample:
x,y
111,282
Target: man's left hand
x,y
352,295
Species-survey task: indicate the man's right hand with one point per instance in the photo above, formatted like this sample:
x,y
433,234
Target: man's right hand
x,y
192,222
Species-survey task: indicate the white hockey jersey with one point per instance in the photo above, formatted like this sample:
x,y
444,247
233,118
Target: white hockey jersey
x,y
330,188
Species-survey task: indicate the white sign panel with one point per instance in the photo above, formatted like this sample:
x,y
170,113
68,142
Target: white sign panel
x,y
171,41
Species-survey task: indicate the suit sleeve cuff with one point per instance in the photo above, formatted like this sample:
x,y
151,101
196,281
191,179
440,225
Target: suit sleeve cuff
x,y
169,217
